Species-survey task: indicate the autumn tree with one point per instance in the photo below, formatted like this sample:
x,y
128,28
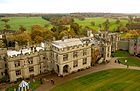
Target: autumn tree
x,y
75,27
37,34
23,38
63,34
121,29
59,21
71,33
40,34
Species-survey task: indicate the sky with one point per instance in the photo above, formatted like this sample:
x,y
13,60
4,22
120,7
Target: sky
x,y
69,6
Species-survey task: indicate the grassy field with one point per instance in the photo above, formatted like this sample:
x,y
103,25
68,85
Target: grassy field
x,y
109,80
100,20
27,22
119,53
130,61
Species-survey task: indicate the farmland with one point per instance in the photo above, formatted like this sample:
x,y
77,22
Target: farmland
x,y
109,80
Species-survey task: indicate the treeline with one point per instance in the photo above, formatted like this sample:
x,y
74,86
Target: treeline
x,y
133,26
64,14
134,23
88,15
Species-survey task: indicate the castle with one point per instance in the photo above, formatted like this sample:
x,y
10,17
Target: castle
x,y
62,56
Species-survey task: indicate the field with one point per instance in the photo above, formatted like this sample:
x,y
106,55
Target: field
x,y
119,53
100,20
109,80
131,61
27,22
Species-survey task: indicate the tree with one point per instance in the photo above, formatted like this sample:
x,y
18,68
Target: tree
x,y
37,32
130,18
122,29
71,33
106,25
7,26
75,27
92,23
63,34
118,21
22,28
5,20
40,34
23,38
10,40
48,35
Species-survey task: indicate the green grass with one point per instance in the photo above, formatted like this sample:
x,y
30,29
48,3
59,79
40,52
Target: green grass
x,y
109,80
33,85
100,20
119,53
130,61
27,22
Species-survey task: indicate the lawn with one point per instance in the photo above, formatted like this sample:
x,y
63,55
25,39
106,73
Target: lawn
x,y
27,22
130,61
119,53
100,20
109,80
33,85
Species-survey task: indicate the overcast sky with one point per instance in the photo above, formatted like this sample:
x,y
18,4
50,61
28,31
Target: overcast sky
x,y
69,6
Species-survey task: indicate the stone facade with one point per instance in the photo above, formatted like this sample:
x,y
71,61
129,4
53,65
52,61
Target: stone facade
x,y
131,44
3,63
29,63
26,66
70,55
134,46
95,54
115,38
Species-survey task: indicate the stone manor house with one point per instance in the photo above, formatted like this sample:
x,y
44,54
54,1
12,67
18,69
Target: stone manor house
x,y
61,56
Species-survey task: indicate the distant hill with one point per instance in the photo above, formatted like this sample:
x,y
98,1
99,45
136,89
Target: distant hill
x,y
72,14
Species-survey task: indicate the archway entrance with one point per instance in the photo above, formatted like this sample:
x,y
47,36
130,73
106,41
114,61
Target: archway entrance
x,y
65,69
